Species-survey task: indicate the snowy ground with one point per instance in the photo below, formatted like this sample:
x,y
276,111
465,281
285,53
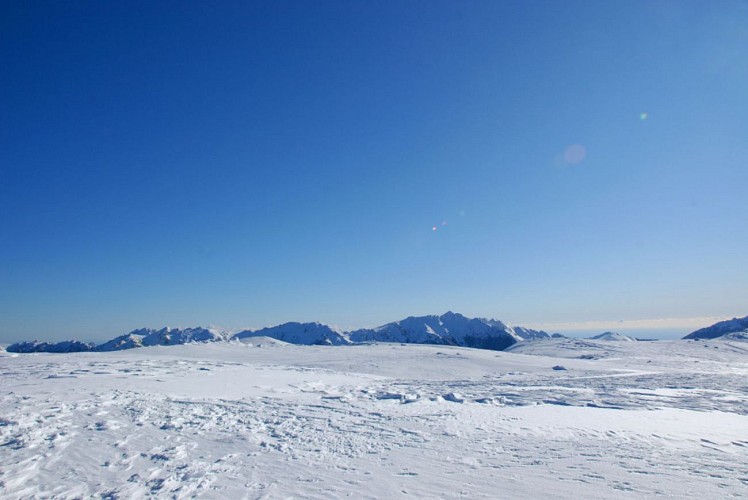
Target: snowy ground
x,y
238,420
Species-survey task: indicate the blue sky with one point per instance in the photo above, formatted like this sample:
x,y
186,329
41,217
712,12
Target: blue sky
x,y
245,164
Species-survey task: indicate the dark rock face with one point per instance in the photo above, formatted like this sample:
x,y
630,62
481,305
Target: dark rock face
x,y
58,347
496,343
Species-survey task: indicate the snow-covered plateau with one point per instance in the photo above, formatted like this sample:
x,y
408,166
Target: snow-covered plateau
x,y
260,418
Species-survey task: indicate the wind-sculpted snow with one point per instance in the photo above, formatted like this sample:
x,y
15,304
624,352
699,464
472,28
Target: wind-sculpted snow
x,y
231,420
735,325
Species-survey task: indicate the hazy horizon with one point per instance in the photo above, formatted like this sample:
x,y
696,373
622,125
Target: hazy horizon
x,y
643,329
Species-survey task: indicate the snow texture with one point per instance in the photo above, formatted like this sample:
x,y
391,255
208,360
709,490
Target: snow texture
x,y
258,418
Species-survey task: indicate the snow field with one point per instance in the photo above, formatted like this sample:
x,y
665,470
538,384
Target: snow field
x,y
234,420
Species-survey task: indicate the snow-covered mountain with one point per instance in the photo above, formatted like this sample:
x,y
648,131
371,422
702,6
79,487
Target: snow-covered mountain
x,y
299,333
175,336
146,337
58,347
450,329
613,336
735,335
126,341
530,334
720,329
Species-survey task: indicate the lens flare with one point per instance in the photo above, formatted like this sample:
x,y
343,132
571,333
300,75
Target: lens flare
x,y
643,116
575,154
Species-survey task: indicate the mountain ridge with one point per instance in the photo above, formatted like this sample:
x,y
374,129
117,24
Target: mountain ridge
x,y
447,329
721,329
613,337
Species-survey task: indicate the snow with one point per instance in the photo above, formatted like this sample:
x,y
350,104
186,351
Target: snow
x,y
260,341
529,334
614,337
735,335
127,341
259,418
299,333
720,329
169,336
143,337
59,347
448,329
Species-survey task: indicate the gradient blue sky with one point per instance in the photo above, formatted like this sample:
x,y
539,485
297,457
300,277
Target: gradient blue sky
x,y
244,164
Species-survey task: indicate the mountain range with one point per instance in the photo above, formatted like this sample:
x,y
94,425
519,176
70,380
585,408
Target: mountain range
x,y
448,329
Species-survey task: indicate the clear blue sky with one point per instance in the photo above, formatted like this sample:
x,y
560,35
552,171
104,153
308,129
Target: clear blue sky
x,y
245,164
